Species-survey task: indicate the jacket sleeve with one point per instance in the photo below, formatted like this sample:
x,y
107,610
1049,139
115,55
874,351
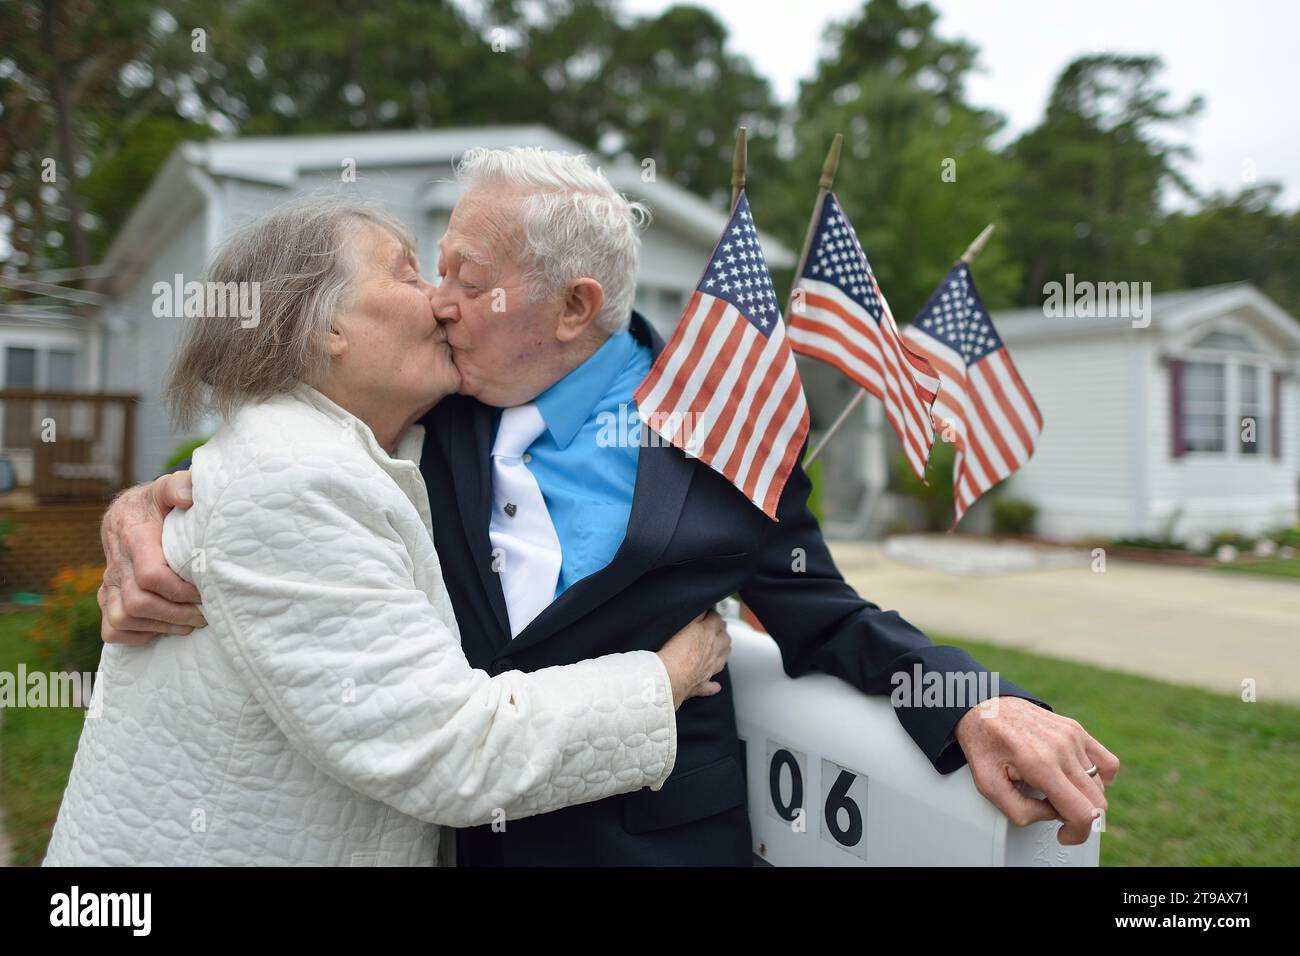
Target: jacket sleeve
x,y
312,594
822,624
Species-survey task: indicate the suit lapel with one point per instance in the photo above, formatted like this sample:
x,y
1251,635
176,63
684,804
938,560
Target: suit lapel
x,y
663,476
471,455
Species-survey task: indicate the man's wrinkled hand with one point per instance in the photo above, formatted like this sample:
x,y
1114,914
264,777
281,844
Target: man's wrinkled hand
x,y
1008,739
141,596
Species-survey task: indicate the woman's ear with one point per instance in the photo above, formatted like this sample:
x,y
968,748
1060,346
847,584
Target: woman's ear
x,y
336,341
581,306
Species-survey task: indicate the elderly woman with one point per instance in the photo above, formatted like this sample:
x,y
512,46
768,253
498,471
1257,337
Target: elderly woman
x,y
326,714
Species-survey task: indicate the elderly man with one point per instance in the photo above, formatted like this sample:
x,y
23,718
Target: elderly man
x,y
559,545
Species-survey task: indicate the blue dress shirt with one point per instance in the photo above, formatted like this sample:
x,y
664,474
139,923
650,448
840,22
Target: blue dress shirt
x,y
585,461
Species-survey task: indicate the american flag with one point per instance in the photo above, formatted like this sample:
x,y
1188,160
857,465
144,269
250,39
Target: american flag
x,y
994,421
725,389
842,318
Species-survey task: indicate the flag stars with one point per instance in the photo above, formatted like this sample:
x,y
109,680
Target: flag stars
x,y
738,271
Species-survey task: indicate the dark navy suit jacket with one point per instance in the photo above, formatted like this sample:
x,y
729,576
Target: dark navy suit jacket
x,y
692,539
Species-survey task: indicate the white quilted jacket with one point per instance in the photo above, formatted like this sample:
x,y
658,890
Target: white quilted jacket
x,y
326,714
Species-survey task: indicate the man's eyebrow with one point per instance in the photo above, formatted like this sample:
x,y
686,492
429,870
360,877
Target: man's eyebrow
x,y
469,255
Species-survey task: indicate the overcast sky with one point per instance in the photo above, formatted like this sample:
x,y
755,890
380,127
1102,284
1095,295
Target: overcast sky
x,y
1240,55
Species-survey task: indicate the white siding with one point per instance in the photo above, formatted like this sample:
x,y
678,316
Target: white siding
x,y
670,269
139,346
242,202
1081,475
399,190
1217,492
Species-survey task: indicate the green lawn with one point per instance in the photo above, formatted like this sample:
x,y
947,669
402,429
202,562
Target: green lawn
x,y
1274,567
36,750
1206,779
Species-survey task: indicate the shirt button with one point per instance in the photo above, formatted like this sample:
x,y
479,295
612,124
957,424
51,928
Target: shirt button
x,y
503,665
527,458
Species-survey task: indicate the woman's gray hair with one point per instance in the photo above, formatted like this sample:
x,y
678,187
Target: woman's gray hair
x,y
303,259
574,223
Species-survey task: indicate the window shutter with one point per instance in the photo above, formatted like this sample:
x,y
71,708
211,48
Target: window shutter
x,y
1176,407
1277,415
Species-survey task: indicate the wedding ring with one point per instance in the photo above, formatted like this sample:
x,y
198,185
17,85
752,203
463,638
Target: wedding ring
x,y
1091,771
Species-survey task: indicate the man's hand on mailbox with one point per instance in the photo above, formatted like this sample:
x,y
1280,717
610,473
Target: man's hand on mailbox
x,y
1008,740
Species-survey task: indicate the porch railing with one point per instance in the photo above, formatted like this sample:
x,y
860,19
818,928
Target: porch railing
x,y
64,447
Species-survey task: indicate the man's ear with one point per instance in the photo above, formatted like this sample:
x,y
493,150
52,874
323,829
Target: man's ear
x,y
581,306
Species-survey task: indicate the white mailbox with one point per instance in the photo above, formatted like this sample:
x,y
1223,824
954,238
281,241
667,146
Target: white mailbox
x,y
834,780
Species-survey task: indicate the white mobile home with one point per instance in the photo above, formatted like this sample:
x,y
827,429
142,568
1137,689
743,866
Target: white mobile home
x,y
1185,421
1189,424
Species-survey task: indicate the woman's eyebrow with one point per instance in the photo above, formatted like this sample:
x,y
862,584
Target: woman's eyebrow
x,y
404,257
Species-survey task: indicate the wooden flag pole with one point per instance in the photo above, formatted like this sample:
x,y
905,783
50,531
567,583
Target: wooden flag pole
x,y
854,402
738,161
824,186
973,250
977,245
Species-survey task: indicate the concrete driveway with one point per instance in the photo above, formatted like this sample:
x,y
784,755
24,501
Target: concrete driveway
x,y
1192,626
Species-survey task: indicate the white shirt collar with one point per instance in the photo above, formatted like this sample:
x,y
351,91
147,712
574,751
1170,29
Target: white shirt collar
x,y
410,445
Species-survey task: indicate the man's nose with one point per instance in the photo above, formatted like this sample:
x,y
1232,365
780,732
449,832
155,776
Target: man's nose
x,y
444,308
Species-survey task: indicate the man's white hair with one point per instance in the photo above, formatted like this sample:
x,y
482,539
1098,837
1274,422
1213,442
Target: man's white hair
x,y
574,223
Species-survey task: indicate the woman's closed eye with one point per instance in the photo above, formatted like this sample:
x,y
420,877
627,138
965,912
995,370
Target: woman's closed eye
x,y
409,272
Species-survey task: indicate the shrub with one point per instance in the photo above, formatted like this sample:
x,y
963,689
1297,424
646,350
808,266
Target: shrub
x,y
935,499
815,496
1012,516
1242,542
67,629
897,526
183,452
1287,537
1151,544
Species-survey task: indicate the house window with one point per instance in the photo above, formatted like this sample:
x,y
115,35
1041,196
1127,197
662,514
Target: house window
x,y
46,369
20,372
1225,407
1204,406
61,370
20,368
1252,418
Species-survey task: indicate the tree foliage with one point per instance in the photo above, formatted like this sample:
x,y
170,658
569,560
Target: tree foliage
x,y
105,92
